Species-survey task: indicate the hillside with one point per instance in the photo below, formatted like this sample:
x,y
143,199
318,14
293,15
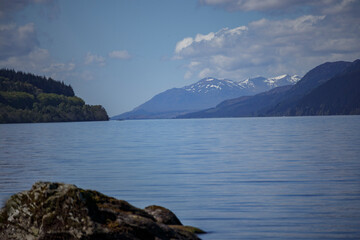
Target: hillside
x,y
311,80
25,97
309,96
248,106
338,96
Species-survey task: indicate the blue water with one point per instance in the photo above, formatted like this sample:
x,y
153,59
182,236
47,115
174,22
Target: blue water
x,y
244,178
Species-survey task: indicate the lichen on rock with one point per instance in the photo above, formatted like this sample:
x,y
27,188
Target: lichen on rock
x,y
66,212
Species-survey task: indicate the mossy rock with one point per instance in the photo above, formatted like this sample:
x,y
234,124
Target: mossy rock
x,y
64,211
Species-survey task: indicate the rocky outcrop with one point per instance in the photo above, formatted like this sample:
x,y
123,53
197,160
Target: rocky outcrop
x,y
163,215
65,212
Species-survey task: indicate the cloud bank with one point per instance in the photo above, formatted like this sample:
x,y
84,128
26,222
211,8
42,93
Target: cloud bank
x,y
17,40
20,47
19,44
269,47
94,59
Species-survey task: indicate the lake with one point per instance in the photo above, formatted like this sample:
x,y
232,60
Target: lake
x,y
237,178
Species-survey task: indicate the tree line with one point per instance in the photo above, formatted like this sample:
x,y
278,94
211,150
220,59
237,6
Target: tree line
x,y
47,85
25,97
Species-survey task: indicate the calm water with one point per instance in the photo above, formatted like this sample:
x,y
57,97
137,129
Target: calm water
x,y
245,178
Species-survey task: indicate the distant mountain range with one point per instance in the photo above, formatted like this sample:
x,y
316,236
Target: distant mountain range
x,y
331,88
206,93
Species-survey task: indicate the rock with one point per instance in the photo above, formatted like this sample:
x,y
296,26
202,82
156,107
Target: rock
x,y
163,215
65,212
188,229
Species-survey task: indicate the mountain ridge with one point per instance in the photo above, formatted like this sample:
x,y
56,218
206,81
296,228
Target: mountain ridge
x,y
205,93
291,101
338,96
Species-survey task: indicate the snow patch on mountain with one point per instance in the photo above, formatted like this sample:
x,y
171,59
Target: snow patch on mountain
x,y
282,80
211,84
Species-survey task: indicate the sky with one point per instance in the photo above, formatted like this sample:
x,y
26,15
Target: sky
x,y
120,53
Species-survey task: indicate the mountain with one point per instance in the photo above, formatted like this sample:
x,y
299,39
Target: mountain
x,y
206,93
282,80
25,97
278,101
261,84
314,78
338,96
248,106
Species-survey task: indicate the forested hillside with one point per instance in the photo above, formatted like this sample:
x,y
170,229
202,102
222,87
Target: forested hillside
x,y
25,97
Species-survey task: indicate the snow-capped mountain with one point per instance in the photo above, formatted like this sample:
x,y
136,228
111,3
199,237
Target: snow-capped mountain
x,y
253,85
264,84
206,93
331,88
210,84
282,80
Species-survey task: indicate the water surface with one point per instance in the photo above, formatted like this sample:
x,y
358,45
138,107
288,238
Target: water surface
x,y
243,178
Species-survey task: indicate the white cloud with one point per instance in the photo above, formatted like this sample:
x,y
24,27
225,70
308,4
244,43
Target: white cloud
x,y
59,67
207,45
94,59
208,37
205,73
34,60
194,64
19,44
39,61
183,44
123,54
20,50
269,47
238,30
186,42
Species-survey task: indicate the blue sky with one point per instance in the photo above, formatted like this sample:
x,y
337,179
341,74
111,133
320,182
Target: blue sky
x,y
121,53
